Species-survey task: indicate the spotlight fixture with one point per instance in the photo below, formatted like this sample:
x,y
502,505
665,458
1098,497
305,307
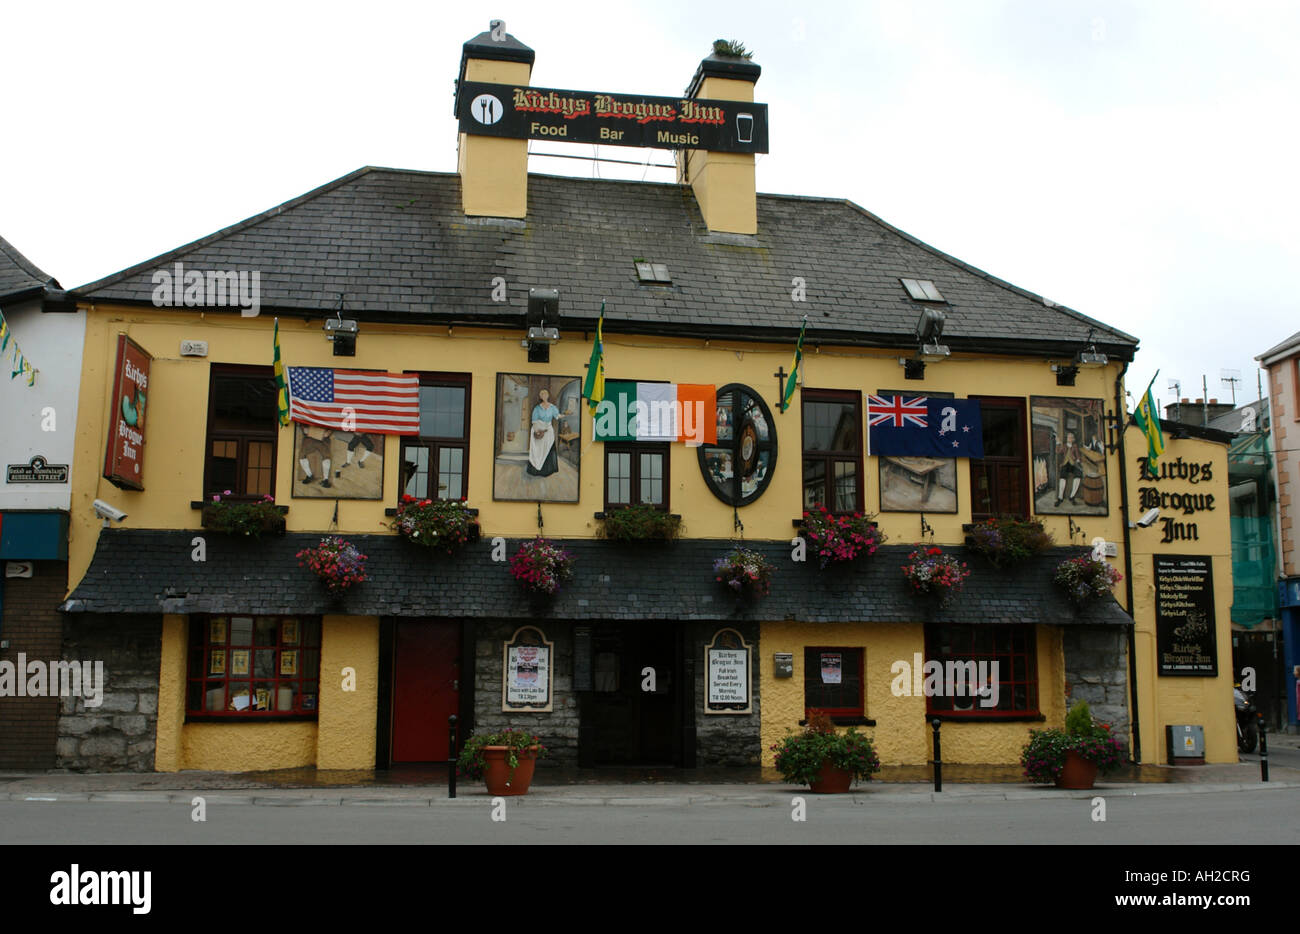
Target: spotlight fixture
x,y
543,318
929,328
342,332
1090,356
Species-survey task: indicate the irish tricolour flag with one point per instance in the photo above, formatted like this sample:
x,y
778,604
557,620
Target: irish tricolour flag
x,y
657,412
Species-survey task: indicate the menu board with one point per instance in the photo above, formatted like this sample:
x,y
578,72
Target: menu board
x,y
727,674
1185,625
527,664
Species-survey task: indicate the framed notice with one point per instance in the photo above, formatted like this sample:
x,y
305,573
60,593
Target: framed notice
x,y
239,662
217,662
289,661
289,632
832,664
526,671
217,631
124,458
1185,625
727,674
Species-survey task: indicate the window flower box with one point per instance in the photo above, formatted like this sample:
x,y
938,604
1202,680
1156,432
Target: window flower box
x,y
639,523
1008,541
933,573
839,539
540,566
445,524
242,518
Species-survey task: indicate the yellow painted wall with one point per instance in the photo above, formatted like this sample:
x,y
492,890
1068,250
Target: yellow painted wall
x,y
724,183
1179,700
347,718
494,170
174,451
248,747
901,734
168,755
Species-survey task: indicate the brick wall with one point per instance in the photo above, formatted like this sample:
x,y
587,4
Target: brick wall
x,y
34,626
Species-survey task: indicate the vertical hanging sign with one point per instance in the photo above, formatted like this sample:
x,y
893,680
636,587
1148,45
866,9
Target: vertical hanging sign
x,y
124,458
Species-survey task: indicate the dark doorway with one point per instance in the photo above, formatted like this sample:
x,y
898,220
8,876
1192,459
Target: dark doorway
x,y
632,716
425,688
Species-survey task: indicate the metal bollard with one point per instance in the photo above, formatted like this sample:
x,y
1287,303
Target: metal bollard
x,y
451,756
1263,751
937,760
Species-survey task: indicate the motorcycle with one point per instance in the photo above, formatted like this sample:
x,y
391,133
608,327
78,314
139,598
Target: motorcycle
x,y
1247,720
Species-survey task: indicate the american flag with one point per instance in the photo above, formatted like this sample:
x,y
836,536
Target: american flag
x,y
360,400
898,410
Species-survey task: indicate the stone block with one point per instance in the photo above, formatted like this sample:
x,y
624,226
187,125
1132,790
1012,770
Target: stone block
x,y
65,747
148,703
131,725
119,702
102,746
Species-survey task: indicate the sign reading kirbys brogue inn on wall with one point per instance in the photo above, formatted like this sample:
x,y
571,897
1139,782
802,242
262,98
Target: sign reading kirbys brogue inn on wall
x,y
124,458
611,119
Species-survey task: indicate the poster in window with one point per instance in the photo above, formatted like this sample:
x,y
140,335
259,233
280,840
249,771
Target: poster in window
x,y
289,662
217,632
1186,642
527,671
217,662
538,438
832,667
917,484
239,661
289,632
329,464
1068,438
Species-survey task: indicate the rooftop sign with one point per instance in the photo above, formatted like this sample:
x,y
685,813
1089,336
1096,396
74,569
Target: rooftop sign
x,y
612,119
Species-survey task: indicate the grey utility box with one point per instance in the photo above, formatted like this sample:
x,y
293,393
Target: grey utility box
x,y
1185,744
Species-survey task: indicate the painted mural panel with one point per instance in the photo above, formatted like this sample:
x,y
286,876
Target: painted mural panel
x,y
538,438
329,464
1068,439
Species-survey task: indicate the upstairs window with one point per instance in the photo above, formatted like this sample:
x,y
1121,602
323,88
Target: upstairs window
x,y
832,450
999,482
242,426
435,464
636,475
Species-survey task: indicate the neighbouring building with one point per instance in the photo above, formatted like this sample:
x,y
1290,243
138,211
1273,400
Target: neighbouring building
x,y
41,336
487,286
1282,364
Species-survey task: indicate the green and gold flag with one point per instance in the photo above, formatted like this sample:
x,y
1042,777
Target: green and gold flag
x,y
281,388
1147,417
792,381
594,390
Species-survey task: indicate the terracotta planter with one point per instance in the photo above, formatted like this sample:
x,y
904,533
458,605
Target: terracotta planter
x,y
831,780
496,770
1077,773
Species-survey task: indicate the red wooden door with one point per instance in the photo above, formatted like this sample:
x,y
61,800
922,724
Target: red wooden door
x,y
426,669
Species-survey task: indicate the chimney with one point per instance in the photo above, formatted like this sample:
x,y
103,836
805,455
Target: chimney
x,y
723,182
493,170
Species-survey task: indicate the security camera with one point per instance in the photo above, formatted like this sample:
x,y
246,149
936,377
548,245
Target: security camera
x,y
1148,518
106,512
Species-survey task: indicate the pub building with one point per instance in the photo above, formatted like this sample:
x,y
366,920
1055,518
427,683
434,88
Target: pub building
x,y
486,287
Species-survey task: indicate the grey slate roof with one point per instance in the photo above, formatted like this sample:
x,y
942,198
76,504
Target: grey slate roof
x,y
19,276
397,245
147,571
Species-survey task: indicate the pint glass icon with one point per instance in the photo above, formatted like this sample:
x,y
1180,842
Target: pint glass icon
x,y
744,128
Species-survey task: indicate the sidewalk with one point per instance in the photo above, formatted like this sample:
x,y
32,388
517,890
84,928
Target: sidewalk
x,y
663,788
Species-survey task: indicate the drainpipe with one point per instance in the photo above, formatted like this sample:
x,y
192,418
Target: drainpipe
x,y
1121,411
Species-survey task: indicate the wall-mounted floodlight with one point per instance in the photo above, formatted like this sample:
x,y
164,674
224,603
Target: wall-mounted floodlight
x,y
929,328
543,319
342,332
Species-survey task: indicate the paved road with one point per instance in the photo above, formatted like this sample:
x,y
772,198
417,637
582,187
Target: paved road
x,y
1243,816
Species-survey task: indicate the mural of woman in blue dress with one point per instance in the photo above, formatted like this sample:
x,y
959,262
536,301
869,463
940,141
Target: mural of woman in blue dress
x,y
543,459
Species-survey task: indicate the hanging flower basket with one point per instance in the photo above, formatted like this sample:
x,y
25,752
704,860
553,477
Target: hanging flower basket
x,y
336,562
445,524
840,538
540,566
747,573
931,572
1007,542
251,520
1085,579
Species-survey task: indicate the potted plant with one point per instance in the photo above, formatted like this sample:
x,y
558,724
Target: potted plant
x,y
1086,578
336,562
1071,758
1008,541
840,538
829,762
935,573
540,566
250,519
446,524
504,760
746,572
640,523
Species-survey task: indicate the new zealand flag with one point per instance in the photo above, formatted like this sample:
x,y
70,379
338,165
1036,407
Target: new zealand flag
x,y
906,426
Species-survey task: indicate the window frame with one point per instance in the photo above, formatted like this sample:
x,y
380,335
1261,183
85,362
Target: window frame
x,y
1032,711
200,643
1025,505
242,438
634,448
831,457
838,714
435,443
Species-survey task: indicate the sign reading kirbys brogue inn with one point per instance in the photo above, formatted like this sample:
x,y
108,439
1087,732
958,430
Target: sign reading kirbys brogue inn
x,y
611,119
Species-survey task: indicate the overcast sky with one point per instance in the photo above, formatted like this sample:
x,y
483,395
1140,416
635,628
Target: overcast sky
x,y
1135,161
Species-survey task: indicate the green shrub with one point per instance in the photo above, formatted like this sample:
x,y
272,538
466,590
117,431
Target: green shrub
x,y
640,524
